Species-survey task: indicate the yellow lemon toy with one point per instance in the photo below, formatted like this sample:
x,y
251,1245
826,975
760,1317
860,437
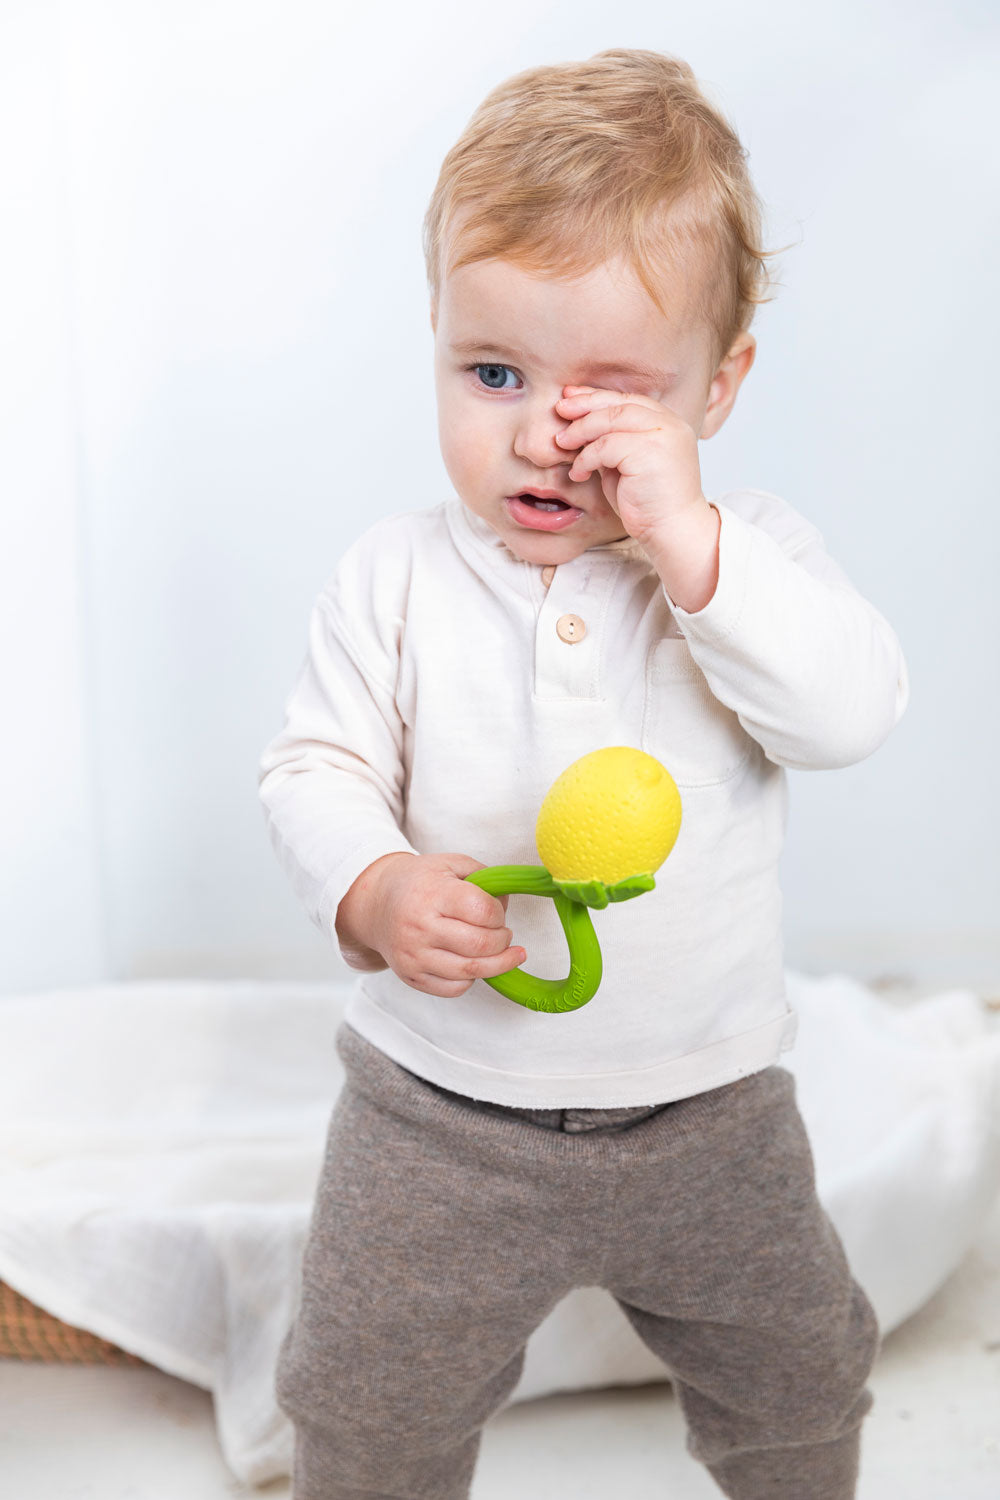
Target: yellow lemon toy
x,y
611,814
606,824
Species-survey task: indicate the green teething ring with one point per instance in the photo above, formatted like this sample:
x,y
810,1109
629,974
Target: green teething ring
x,y
609,808
585,966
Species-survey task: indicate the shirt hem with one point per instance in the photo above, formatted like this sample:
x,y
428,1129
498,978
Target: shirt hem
x,y
695,1072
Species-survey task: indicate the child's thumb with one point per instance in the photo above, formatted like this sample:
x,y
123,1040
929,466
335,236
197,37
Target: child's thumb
x,y
464,864
461,864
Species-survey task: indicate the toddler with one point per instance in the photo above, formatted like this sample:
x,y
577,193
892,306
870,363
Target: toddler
x,y
594,262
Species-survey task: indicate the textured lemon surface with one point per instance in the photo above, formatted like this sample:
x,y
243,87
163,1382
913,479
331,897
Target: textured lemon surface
x,y
611,814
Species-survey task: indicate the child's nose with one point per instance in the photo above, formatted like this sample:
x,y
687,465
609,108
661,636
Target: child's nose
x,y
535,439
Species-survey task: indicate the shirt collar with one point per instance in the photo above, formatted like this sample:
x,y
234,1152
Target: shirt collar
x,y
464,519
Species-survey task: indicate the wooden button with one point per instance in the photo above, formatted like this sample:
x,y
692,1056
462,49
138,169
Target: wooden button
x,y
570,628
548,574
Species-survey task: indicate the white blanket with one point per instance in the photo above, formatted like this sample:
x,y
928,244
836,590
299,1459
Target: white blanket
x,y
160,1143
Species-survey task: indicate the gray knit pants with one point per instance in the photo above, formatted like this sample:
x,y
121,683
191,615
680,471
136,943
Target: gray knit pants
x,y
445,1230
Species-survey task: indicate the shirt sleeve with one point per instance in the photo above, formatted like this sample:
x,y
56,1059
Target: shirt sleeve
x,y
814,672
331,782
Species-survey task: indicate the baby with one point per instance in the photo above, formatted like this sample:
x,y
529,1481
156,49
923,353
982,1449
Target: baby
x,y
594,261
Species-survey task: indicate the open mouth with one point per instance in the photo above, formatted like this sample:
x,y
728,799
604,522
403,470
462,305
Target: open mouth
x,y
537,504
542,515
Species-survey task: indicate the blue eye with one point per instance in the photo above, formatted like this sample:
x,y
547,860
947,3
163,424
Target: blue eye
x,y
492,372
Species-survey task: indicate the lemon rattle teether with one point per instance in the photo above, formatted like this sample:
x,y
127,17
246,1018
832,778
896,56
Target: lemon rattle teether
x,y
606,824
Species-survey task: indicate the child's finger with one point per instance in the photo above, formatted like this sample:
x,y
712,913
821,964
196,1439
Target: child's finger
x,y
460,898
467,941
575,403
470,903
452,968
605,453
626,416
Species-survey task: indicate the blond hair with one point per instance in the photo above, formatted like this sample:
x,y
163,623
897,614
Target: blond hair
x,y
565,166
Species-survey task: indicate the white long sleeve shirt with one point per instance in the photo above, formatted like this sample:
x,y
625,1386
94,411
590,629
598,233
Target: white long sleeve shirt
x,y
441,696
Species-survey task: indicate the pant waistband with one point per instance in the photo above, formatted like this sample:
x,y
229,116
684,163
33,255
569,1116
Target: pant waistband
x,y
571,1120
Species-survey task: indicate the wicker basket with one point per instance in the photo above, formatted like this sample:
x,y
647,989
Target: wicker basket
x,y
28,1332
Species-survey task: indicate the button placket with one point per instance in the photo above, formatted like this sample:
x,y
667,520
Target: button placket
x,y
567,639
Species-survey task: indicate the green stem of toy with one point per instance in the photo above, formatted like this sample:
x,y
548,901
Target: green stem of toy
x,y
585,966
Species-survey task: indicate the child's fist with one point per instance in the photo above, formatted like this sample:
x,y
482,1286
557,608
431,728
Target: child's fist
x,y
646,454
434,929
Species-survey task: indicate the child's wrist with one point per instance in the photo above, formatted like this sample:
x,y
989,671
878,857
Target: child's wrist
x,y
687,558
357,921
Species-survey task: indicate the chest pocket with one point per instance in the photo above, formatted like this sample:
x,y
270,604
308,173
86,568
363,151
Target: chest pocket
x,y
698,739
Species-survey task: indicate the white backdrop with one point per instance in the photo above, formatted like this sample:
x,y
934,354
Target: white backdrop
x,y
215,371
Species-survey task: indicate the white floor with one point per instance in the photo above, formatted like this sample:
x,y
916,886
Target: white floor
x,y
94,1433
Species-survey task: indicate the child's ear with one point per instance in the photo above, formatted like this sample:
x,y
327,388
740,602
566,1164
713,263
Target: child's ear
x,y
434,317
726,383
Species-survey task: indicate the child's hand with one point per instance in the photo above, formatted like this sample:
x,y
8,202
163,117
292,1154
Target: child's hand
x,y
432,927
646,454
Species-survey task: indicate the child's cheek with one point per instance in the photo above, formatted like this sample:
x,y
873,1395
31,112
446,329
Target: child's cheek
x,y
468,447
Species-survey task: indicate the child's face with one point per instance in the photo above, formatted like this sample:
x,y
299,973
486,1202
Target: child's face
x,y
507,342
